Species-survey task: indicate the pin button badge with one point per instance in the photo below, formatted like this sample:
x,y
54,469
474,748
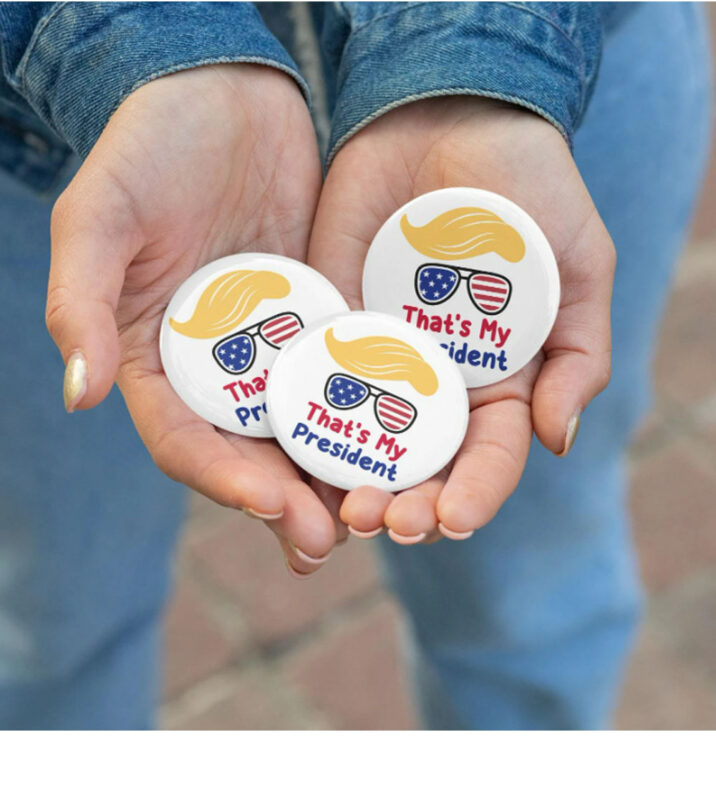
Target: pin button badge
x,y
225,326
474,270
364,398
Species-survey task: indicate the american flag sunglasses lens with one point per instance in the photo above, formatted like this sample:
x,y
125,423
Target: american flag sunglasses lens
x,y
235,354
490,293
344,392
435,283
393,413
279,329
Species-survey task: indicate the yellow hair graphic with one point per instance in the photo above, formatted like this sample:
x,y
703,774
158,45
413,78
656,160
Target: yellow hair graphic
x,y
229,299
382,357
463,233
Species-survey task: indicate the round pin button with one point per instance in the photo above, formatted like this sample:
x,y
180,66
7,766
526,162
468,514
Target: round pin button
x,y
226,324
474,270
364,398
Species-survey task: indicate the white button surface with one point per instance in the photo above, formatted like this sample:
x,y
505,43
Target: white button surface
x,y
364,398
475,271
225,326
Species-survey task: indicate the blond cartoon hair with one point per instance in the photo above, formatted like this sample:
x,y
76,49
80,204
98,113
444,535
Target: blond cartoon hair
x,y
464,233
229,299
384,358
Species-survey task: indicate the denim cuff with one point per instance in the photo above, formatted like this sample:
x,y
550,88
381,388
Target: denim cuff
x,y
543,56
85,58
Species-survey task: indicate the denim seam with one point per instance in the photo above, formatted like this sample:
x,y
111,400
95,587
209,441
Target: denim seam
x,y
569,40
547,20
441,93
516,6
408,7
168,70
22,66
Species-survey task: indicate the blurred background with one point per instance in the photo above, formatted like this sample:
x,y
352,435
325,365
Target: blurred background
x,y
248,647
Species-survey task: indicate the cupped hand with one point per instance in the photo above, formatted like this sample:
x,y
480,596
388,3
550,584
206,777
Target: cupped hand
x,y
192,166
468,141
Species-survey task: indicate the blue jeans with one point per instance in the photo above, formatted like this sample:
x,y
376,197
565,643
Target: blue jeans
x,y
526,625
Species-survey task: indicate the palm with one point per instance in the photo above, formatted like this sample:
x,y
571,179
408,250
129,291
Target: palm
x,y
464,142
179,185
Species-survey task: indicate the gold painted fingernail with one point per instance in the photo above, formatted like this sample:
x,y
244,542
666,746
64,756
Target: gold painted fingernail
x,y
75,383
572,430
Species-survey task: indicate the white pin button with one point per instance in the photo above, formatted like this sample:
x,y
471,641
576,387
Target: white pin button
x,y
225,326
474,270
366,399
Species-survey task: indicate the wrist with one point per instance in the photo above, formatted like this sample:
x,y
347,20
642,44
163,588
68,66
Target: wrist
x,y
461,135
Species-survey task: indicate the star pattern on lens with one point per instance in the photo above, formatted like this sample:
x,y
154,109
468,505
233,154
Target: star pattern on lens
x,y
236,355
435,283
342,392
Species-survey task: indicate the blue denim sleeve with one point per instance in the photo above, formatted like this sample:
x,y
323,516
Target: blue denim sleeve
x,y
74,63
543,56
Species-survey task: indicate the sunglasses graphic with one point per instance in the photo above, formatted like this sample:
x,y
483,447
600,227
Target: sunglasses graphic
x,y
393,413
489,292
236,353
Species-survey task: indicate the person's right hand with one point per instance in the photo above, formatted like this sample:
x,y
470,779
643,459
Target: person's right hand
x,y
191,167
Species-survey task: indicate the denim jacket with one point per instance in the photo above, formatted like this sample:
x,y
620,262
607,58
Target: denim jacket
x,y
67,66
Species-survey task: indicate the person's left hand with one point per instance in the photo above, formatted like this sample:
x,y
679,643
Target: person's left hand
x,y
469,141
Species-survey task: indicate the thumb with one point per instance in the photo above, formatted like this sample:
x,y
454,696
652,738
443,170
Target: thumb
x,y
89,255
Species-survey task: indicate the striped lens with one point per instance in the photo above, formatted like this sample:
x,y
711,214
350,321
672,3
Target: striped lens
x,y
489,292
394,414
236,353
277,330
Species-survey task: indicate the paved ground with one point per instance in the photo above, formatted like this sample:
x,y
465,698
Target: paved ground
x,y
248,647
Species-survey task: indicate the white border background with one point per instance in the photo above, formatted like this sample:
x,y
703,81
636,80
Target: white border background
x,y
340,766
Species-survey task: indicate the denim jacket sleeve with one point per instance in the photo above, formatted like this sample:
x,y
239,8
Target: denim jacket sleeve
x,y
74,63
543,56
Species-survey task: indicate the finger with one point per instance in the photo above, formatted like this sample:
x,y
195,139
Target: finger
x,y
306,530
578,351
91,247
487,467
411,516
363,510
251,475
332,498
190,450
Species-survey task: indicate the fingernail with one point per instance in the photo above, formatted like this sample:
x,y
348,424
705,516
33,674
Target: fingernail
x,y
449,534
250,512
75,383
365,534
398,539
294,573
572,430
310,560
